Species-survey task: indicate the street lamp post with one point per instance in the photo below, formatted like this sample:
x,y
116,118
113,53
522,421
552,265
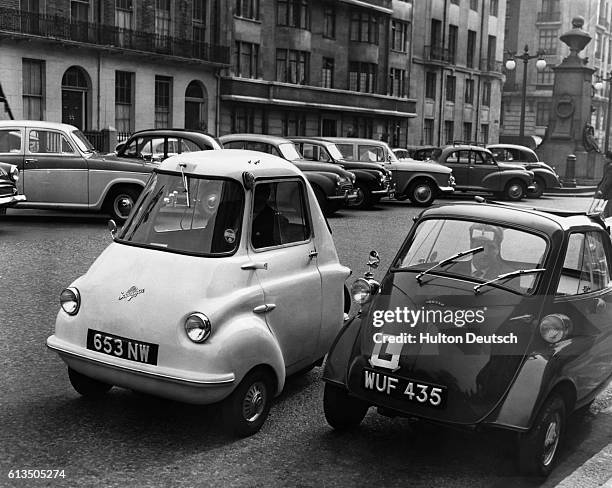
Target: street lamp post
x,y
511,65
599,86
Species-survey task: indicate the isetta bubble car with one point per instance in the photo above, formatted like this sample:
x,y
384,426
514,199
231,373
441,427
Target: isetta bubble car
x,y
489,317
223,281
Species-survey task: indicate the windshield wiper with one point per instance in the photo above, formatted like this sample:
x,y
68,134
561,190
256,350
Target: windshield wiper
x,y
185,183
504,276
449,260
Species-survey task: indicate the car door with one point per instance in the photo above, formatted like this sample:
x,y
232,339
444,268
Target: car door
x,y
54,171
12,149
584,294
483,172
459,162
283,248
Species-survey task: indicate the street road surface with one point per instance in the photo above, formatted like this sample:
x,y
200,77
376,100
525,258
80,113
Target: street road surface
x,y
129,439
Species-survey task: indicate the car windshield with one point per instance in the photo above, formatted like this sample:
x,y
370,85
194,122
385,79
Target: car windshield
x,y
334,152
187,214
82,142
505,250
289,152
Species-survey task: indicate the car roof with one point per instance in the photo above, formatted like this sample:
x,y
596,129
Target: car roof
x,y
254,137
511,146
38,123
318,140
231,163
464,147
194,134
545,220
357,140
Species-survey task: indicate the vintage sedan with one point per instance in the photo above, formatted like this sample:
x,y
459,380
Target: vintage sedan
x,y
332,185
545,177
61,170
9,176
223,281
490,317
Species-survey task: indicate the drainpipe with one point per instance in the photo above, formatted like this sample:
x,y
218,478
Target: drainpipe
x,y
442,81
479,91
218,105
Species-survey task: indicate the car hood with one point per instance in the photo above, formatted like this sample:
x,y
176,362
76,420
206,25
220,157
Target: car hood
x,y
119,163
509,166
419,166
306,165
476,375
349,165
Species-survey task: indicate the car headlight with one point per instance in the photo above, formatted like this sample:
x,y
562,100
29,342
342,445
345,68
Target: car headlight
x,y
363,289
14,173
353,178
70,300
555,327
451,180
197,327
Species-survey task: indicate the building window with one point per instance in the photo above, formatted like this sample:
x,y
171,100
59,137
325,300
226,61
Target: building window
x,y
486,93
362,77
123,14
246,59
362,127
364,27
469,91
33,82
467,132
474,5
550,6
453,36
79,10
293,13
124,102
471,48
249,120
484,133
163,99
329,22
449,131
248,9
456,2
327,73
399,36
598,45
199,27
294,124
548,40
292,66
451,86
162,23
397,82
542,113
546,76
428,131
493,10
430,85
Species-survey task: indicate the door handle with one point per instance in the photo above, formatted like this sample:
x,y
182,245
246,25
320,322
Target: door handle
x,y
313,254
31,160
253,265
266,307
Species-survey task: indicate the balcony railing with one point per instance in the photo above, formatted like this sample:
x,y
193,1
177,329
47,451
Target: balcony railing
x,y
439,53
548,17
57,27
487,64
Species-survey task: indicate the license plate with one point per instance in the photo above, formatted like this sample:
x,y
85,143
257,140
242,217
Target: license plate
x,y
420,392
122,347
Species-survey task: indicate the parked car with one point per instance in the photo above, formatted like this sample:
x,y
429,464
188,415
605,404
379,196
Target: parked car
x,y
518,351
475,169
545,177
60,169
419,182
372,180
411,152
9,175
159,144
234,240
332,185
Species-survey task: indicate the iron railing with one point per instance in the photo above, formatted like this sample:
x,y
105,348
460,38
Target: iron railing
x,y
491,65
61,28
438,53
548,17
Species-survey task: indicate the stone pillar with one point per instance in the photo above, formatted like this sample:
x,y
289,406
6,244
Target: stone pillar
x,y
109,136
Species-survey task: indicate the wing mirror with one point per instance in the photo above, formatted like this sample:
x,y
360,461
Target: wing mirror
x,y
363,289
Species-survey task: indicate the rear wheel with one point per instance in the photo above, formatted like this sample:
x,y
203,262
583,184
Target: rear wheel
x,y
364,197
86,386
422,193
121,201
538,448
539,185
341,410
246,409
515,190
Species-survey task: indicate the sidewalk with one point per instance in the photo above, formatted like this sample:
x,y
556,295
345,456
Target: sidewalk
x,y
579,190
595,473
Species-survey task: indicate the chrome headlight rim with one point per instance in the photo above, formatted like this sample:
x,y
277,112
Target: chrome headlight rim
x,y
70,300
363,289
197,327
555,327
14,173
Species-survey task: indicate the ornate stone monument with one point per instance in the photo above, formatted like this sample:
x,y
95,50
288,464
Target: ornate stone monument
x,y
569,128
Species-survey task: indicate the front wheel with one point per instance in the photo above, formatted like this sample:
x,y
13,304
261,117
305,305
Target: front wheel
x,y
422,193
342,411
538,448
539,186
121,202
246,409
515,190
364,197
86,386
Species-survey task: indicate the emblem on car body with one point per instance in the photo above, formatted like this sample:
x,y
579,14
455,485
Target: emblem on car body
x,y
132,292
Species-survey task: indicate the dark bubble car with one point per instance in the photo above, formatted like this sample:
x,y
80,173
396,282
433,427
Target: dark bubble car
x,y
490,317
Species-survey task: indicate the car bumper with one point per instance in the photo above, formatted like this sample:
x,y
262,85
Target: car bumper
x,y
347,196
531,187
182,385
446,190
11,200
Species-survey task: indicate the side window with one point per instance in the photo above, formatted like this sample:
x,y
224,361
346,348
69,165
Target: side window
x,y
190,146
482,157
49,142
458,157
279,214
233,145
371,153
308,151
347,151
10,141
586,266
131,150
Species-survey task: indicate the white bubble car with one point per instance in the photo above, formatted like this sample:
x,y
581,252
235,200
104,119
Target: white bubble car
x,y
223,281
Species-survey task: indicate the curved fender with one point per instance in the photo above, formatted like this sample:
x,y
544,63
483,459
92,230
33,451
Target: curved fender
x,y
246,342
102,188
414,177
340,352
506,176
322,180
365,177
547,176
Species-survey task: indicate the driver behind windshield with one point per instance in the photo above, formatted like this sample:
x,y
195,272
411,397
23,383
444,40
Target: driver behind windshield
x,y
268,223
487,264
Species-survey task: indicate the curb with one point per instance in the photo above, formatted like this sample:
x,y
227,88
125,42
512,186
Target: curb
x,y
578,190
594,473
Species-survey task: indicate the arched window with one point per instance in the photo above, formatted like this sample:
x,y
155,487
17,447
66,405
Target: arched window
x,y
75,97
196,106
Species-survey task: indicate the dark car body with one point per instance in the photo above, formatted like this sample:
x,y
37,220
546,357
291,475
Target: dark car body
x,y
9,195
332,184
475,169
545,177
484,385
372,180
